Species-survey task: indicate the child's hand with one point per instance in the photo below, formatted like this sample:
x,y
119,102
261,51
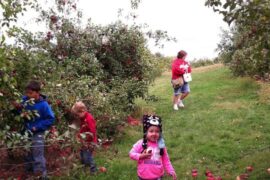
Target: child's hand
x,y
145,155
16,105
173,175
91,135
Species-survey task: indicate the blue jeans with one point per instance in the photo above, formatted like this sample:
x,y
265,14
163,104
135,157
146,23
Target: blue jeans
x,y
181,89
35,160
88,160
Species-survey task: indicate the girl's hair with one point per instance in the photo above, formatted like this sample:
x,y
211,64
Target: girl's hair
x,y
181,54
78,107
148,121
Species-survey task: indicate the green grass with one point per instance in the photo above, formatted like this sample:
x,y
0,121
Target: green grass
x,y
223,127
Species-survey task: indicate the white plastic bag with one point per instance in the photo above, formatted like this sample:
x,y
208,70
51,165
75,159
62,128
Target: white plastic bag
x,y
187,77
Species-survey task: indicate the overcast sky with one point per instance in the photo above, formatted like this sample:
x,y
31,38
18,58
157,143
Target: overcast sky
x,y
196,27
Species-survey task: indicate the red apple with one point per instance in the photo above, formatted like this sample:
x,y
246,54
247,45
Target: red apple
x,y
210,178
49,36
249,168
194,174
54,18
254,29
207,172
194,171
58,102
49,101
74,6
243,176
268,170
102,169
219,178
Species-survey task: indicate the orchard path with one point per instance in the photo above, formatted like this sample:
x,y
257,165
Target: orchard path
x,y
224,127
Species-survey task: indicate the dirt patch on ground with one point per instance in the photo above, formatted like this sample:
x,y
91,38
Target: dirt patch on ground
x,y
206,68
264,93
140,111
231,105
200,69
167,73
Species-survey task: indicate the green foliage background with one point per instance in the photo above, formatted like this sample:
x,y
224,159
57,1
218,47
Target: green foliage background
x,y
245,48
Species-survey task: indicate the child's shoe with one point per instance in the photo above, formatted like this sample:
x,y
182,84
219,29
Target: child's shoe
x,y
93,169
180,104
175,107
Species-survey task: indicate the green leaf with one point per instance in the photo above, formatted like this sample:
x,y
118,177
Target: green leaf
x,y
5,78
28,117
9,144
2,39
83,135
17,118
228,3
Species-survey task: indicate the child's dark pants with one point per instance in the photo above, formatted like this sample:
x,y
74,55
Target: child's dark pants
x,y
88,160
35,160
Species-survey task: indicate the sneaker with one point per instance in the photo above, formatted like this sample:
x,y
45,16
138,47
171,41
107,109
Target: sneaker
x,y
180,104
175,107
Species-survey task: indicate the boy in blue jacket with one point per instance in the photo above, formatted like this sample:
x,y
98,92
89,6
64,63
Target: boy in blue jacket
x,y
37,126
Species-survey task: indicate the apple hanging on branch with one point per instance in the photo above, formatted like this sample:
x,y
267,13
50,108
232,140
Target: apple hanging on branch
x,y
54,19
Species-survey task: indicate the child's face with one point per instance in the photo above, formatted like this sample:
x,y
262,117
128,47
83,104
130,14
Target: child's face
x,y
185,57
81,114
153,133
32,94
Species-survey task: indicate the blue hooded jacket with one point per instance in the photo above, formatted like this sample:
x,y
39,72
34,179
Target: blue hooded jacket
x,y
46,116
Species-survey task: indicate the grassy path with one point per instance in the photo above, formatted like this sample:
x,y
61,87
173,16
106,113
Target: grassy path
x,y
225,127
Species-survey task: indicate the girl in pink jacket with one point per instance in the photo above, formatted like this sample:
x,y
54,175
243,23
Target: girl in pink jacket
x,y
151,159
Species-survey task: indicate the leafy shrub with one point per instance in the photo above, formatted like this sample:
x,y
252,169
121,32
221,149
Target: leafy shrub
x,y
245,48
107,67
202,62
